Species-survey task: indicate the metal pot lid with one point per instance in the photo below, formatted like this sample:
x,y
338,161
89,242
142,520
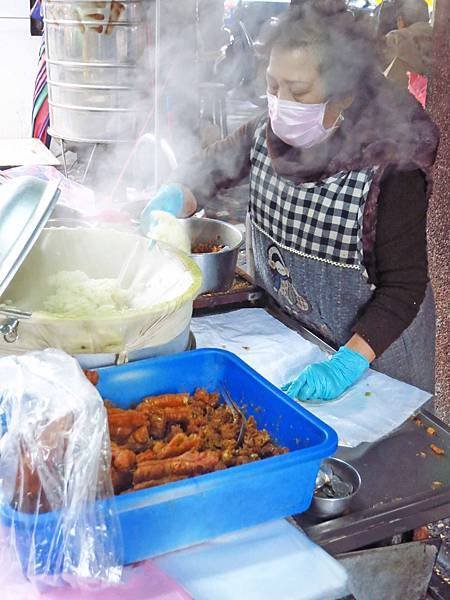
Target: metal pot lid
x,y
26,204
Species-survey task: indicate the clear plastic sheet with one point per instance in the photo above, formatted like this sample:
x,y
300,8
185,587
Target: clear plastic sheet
x,y
56,497
260,563
160,281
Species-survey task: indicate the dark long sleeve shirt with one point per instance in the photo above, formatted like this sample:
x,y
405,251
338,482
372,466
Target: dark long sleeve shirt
x,y
400,270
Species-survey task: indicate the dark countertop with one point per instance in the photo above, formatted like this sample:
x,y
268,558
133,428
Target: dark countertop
x,y
404,485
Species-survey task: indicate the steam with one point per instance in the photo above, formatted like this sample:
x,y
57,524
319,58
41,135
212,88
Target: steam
x,y
189,31
97,39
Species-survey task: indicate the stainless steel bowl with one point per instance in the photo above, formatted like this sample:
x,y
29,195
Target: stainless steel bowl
x,y
329,508
218,268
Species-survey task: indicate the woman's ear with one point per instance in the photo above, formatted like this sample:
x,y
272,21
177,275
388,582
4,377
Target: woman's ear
x,y
400,23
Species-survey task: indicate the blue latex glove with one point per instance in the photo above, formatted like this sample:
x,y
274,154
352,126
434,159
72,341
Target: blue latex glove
x,y
328,379
169,198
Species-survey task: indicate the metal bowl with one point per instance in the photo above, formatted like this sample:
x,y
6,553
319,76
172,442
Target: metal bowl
x,y
329,508
218,268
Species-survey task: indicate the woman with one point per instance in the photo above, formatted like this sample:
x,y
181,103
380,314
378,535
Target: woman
x,y
338,199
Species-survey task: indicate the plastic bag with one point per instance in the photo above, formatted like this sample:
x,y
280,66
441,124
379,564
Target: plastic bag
x,y
56,497
166,228
161,283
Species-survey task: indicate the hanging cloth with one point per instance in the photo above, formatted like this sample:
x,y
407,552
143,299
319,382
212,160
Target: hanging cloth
x,y
40,115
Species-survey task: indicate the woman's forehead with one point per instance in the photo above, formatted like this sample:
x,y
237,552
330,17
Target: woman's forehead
x,y
293,65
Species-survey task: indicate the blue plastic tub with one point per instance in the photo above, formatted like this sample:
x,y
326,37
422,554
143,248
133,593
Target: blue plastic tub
x,y
177,515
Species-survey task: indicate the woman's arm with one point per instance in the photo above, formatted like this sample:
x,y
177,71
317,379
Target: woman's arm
x,y
221,165
358,344
401,261
402,277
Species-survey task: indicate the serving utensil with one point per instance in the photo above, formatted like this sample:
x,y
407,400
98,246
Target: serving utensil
x,y
336,495
324,476
237,414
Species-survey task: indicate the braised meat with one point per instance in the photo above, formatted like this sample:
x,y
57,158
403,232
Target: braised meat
x,y
92,376
174,436
209,247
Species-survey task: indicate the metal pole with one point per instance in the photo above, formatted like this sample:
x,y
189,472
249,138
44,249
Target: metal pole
x,y
156,91
91,156
63,153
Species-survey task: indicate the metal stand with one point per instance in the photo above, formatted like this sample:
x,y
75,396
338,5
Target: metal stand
x,y
62,143
91,156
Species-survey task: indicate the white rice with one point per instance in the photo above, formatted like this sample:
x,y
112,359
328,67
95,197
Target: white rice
x,y
77,295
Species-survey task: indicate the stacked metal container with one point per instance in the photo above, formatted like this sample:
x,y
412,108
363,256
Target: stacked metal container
x,y
98,68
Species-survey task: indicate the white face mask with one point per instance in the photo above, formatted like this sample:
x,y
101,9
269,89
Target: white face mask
x,y
297,124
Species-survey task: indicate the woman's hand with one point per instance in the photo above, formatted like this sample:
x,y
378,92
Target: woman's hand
x,y
328,379
171,198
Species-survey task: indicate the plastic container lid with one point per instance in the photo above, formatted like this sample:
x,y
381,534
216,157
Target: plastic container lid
x,y
26,204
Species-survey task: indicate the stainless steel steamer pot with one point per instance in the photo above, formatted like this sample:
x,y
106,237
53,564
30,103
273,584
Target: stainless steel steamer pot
x,y
96,81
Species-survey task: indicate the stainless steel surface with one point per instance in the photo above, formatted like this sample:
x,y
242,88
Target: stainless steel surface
x,y
26,204
93,97
80,140
96,69
93,126
98,76
333,507
404,486
218,268
237,415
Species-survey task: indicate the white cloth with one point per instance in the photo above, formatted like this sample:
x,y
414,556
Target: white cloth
x,y
370,409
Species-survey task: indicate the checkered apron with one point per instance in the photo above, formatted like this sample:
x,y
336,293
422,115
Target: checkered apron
x,y
318,220
307,250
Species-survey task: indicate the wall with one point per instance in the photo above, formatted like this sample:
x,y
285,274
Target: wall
x,y
18,64
439,209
